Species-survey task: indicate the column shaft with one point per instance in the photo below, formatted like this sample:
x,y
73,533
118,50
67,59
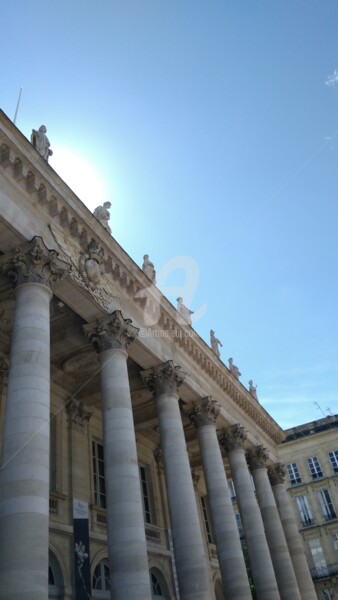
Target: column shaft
x,y
190,557
24,474
126,533
261,564
229,549
285,575
295,544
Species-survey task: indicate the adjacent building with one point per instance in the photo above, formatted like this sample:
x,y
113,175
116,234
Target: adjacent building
x,y
310,454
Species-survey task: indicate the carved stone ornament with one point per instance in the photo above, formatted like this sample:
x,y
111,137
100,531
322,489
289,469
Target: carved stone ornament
x,y
204,413
77,414
233,437
33,262
277,474
163,379
158,456
90,265
112,331
257,458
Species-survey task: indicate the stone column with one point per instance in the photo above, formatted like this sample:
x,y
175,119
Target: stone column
x,y
24,473
229,549
127,544
232,439
190,556
279,551
292,535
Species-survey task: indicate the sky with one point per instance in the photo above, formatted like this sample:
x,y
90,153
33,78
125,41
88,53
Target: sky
x,y
212,127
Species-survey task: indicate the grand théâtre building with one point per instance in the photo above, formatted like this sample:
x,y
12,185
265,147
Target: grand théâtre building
x,y
134,463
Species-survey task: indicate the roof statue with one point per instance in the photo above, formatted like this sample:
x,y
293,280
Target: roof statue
x,y
183,310
252,389
214,343
41,142
103,215
234,370
148,268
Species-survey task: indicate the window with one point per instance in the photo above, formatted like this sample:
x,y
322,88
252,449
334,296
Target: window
x,y
232,490
159,588
239,525
326,504
206,519
315,468
318,557
101,582
98,473
144,480
334,537
328,594
293,474
333,456
155,586
304,510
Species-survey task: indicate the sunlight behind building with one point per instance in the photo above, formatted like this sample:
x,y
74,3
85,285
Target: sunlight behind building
x,y
80,174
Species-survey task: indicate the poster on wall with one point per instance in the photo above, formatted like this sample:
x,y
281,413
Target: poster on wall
x,y
81,550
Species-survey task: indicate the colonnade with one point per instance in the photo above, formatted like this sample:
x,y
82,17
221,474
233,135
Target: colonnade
x,y
272,539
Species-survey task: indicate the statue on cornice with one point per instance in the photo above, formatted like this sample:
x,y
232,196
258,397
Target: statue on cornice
x,y
183,310
148,268
41,142
103,215
214,343
252,389
234,370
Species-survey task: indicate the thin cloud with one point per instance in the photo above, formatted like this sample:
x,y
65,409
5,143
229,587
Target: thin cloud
x,y
332,79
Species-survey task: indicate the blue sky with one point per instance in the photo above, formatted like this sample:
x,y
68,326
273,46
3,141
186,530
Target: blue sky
x,y
212,130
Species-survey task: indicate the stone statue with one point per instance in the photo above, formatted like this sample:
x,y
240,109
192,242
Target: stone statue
x,y
214,343
252,389
184,311
103,215
41,142
234,370
148,268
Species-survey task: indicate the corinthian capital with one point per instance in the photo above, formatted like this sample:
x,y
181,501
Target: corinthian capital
x,y
163,379
257,457
204,413
233,437
33,263
276,474
112,331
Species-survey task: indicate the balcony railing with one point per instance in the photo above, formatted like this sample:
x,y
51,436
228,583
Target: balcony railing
x,y
324,572
307,522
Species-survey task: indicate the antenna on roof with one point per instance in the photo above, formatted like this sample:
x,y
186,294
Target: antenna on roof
x,y
319,408
17,106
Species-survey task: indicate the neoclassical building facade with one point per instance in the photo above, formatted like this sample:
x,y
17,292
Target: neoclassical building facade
x,y
134,464
310,454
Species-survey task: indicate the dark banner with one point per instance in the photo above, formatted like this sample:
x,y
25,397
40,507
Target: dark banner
x,y
81,550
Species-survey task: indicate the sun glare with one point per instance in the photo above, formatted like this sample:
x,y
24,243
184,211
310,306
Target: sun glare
x,y
81,176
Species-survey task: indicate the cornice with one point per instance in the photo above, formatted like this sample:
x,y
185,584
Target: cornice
x,y
70,222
